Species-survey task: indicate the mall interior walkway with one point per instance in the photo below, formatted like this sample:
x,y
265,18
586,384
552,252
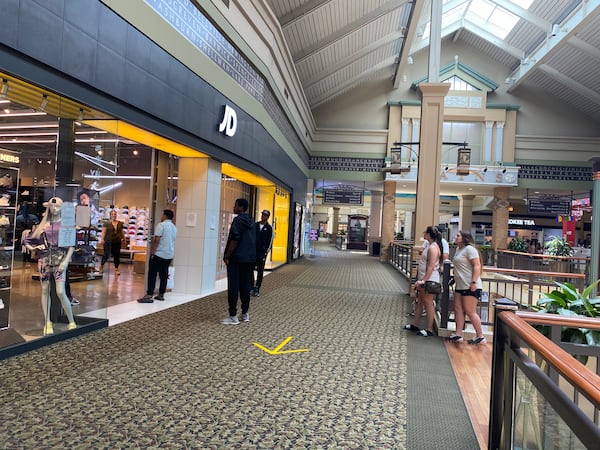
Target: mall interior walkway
x,y
323,363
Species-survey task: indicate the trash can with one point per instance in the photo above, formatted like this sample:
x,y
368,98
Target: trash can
x,y
376,249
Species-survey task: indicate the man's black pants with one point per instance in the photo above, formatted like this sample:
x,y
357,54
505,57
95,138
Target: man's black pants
x,y
158,266
239,281
260,270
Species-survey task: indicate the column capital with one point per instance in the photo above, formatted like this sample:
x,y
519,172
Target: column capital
x,y
595,163
433,89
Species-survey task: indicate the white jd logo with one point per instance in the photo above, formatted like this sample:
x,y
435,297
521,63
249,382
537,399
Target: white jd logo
x,y
229,123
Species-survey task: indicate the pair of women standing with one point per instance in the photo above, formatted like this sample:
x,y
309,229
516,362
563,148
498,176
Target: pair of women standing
x,y
467,274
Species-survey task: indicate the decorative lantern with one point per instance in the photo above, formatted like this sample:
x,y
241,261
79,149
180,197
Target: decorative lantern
x,y
463,164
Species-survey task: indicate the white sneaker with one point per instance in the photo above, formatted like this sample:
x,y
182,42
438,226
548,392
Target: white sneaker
x,y
246,317
233,320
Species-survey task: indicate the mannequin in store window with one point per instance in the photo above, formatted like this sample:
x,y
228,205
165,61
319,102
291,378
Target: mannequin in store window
x,y
53,260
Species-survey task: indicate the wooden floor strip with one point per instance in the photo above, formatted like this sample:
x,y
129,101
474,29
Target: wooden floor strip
x,y
472,366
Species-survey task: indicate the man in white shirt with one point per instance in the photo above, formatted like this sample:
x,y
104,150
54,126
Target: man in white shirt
x,y
162,252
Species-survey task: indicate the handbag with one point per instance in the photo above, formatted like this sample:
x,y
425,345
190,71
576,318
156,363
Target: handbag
x,y
433,287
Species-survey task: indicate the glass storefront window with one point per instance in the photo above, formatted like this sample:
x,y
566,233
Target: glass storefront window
x,y
64,169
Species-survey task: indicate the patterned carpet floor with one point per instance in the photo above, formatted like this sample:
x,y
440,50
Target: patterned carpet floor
x,y
179,379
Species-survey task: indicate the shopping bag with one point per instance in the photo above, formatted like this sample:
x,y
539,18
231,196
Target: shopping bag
x,y
171,278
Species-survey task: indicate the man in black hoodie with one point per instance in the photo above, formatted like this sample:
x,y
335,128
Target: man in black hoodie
x,y
240,257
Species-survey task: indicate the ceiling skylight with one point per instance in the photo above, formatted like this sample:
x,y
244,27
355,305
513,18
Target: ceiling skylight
x,y
486,14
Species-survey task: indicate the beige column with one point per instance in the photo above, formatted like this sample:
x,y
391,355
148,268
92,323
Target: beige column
x,y
335,222
465,212
430,155
500,217
375,216
197,220
388,216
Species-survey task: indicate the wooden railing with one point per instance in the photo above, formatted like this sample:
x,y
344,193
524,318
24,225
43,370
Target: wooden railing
x,y
506,259
521,286
541,396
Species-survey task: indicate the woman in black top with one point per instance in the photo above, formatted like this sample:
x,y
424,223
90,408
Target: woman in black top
x,y
113,235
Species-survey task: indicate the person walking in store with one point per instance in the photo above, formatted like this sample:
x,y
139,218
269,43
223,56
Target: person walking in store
x,y
240,258
468,287
113,236
162,251
428,271
264,235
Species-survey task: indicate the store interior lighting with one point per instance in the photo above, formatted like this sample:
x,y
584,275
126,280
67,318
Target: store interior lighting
x,y
4,88
44,103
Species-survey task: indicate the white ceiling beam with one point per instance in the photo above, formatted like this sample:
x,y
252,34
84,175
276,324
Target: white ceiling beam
x,y
348,84
586,12
570,83
304,10
580,44
339,65
493,39
446,31
353,27
542,24
412,28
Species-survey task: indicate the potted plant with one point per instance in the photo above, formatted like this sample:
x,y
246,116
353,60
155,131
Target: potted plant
x,y
518,244
568,301
559,246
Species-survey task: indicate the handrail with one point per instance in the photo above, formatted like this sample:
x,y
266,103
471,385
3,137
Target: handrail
x,y
532,272
543,256
575,372
555,319
513,333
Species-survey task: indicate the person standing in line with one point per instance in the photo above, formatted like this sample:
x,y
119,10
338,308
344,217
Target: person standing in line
x,y
240,258
467,291
264,235
112,236
429,270
162,251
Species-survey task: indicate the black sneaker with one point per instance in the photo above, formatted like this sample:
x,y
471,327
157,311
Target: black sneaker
x,y
455,338
146,299
256,292
477,340
159,297
425,333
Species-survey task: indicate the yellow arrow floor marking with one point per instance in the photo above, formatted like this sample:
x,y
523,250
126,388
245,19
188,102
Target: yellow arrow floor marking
x,y
277,350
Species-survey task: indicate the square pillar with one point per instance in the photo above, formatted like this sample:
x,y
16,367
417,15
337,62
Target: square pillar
x,y
430,155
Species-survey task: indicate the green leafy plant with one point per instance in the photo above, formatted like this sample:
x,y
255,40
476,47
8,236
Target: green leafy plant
x,y
568,301
518,244
558,246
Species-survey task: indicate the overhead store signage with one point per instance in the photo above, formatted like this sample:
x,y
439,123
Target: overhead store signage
x,y
343,196
551,207
228,125
521,222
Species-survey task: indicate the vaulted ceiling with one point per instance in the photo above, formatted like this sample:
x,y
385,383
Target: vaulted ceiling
x,y
338,44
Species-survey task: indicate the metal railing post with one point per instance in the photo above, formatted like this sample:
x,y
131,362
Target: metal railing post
x,y
501,391
445,302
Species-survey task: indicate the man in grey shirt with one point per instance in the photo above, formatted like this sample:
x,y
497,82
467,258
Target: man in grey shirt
x,y
162,252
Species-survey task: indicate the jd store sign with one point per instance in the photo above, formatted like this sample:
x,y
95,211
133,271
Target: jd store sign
x,y
228,124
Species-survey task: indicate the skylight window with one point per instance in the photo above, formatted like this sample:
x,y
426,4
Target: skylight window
x,y
492,17
485,14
